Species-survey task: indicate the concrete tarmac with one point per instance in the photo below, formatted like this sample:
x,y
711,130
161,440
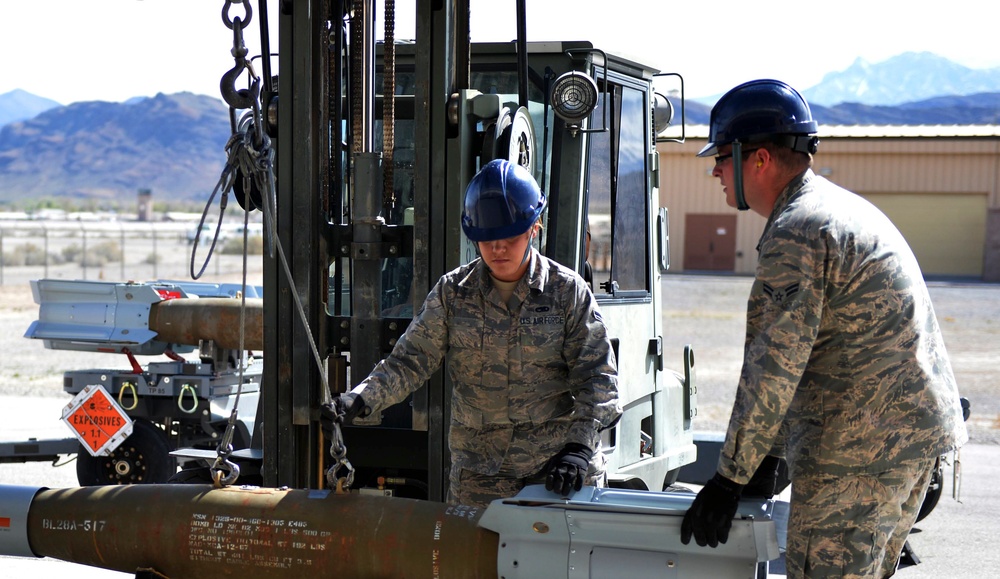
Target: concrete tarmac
x,y
955,540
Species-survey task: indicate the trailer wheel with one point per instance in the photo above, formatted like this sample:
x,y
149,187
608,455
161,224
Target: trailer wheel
x,y
143,457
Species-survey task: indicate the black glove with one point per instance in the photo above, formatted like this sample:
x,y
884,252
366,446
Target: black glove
x,y
764,482
711,514
567,469
344,409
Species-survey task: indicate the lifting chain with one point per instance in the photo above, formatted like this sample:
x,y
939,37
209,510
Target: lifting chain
x,y
357,67
389,108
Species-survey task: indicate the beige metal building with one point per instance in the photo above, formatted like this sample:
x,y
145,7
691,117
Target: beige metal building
x,y
939,184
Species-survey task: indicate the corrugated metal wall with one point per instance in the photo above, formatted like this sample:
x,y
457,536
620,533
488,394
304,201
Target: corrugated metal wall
x,y
687,186
875,166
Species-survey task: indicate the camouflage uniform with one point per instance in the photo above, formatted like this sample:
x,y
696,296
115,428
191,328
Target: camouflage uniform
x,y
846,374
528,376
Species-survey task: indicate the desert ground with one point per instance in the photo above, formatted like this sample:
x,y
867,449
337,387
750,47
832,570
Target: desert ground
x,y
706,311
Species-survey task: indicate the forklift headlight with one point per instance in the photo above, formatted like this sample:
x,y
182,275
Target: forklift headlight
x,y
574,97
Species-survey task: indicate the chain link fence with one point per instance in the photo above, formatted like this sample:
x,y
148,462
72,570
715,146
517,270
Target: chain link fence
x,y
121,251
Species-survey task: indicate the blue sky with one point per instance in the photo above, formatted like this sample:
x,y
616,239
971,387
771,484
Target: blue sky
x,y
76,50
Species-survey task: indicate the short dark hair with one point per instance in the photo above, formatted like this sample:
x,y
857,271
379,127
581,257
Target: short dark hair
x,y
787,157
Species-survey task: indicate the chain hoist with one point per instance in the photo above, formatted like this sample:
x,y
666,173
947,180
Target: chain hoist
x,y
249,169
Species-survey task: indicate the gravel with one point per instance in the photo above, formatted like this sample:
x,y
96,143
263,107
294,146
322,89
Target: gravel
x,y
709,312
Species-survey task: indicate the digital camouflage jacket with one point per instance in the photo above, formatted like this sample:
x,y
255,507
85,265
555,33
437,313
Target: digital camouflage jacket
x,y
528,376
845,370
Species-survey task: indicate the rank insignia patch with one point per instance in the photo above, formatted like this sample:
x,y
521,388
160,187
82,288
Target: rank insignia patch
x,y
779,295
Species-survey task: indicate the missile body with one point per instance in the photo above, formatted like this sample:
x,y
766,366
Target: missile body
x,y
187,321
143,318
201,532
197,531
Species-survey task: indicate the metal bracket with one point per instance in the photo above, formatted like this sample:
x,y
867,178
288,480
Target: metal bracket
x,y
656,349
397,241
390,331
690,387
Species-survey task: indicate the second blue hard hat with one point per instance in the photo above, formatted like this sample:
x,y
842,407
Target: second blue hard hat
x,y
760,110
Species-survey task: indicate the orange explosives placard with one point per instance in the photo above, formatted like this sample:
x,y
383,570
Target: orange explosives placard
x,y
95,419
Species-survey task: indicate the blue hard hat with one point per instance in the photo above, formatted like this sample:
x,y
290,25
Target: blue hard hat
x,y
502,200
761,110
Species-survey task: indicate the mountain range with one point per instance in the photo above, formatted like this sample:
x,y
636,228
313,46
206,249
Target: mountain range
x,y
974,109
906,78
174,144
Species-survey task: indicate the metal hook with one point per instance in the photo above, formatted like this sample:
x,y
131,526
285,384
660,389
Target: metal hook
x,y
338,450
223,452
224,464
238,99
341,483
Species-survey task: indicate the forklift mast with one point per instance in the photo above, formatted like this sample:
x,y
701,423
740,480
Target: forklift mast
x,y
376,142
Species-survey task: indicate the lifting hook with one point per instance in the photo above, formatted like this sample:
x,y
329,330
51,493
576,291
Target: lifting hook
x,y
242,98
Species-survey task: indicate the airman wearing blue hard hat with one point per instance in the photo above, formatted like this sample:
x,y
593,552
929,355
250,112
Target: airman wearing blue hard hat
x,y
532,372
845,374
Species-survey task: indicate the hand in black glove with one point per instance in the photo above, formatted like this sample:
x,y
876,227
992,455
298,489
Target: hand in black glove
x,y
764,482
711,514
567,469
344,409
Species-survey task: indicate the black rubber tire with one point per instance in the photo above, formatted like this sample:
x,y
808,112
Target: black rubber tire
x,y
197,475
934,491
143,458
